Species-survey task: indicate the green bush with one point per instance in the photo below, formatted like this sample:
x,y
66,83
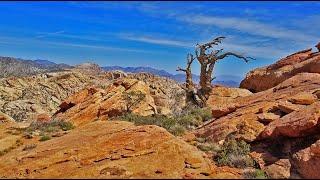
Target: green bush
x,y
45,138
168,123
235,154
208,147
133,98
177,130
51,126
176,125
255,174
66,126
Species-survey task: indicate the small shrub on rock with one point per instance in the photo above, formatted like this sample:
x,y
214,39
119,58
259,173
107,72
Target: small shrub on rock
x,y
235,154
177,124
45,138
51,126
255,174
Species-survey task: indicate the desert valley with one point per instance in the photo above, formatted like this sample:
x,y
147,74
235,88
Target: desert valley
x,y
61,121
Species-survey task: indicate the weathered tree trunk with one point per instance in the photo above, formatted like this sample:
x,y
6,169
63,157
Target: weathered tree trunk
x,y
189,82
207,62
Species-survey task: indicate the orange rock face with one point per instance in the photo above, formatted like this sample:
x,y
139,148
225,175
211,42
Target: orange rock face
x,y
307,161
252,114
221,98
110,149
296,124
264,78
93,104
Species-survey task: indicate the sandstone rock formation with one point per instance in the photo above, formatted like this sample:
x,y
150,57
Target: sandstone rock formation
x,y
169,97
121,150
221,98
125,95
267,77
248,112
307,161
25,98
299,123
111,75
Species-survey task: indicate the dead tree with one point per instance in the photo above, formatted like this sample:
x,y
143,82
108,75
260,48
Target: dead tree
x,y
190,87
189,82
208,57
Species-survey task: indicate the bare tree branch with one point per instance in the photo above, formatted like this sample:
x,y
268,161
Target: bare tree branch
x,y
180,69
215,41
190,59
222,56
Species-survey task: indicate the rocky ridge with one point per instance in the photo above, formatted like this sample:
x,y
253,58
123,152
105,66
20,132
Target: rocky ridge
x,y
264,78
281,121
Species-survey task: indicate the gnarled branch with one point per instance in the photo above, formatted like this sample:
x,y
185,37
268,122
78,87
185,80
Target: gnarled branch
x,y
190,59
180,69
222,56
215,41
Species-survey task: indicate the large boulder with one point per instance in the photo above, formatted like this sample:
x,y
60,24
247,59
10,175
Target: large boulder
x,y
264,78
111,149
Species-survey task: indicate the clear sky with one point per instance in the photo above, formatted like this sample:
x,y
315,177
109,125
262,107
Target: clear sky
x,y
156,34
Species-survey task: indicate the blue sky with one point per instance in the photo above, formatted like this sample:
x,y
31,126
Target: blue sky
x,y
156,34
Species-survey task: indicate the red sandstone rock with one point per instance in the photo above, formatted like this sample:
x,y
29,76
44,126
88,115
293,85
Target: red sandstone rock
x,y
264,78
244,121
307,161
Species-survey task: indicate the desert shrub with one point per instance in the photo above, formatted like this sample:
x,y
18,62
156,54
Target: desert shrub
x,y
202,113
51,126
235,154
163,121
66,126
133,98
208,147
201,139
45,138
177,124
177,130
18,143
193,117
255,174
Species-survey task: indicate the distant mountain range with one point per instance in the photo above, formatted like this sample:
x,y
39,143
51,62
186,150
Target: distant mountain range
x,y
19,67
10,66
227,80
